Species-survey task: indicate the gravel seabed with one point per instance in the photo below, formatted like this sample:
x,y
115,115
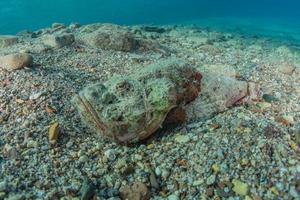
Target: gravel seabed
x,y
250,147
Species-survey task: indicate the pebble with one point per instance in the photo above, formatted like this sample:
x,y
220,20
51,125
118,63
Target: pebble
x,y
153,180
2,195
287,120
7,40
136,191
53,133
211,179
157,171
216,168
197,182
69,144
264,105
173,197
165,174
36,95
16,61
182,138
3,186
286,68
110,154
83,159
239,187
293,192
269,98
31,144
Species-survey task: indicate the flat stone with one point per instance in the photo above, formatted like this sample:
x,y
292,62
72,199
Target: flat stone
x,y
110,154
286,68
218,70
239,187
16,61
211,179
182,138
7,40
3,186
113,37
173,197
153,180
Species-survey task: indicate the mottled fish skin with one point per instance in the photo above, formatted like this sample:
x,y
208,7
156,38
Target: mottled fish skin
x,y
131,109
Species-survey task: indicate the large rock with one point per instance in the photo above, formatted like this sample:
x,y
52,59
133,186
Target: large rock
x,y
7,40
117,38
111,37
58,40
131,109
16,61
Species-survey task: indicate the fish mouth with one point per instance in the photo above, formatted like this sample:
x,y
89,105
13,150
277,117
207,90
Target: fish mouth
x,y
87,107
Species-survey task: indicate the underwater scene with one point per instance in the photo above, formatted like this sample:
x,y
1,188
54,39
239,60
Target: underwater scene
x,y
140,100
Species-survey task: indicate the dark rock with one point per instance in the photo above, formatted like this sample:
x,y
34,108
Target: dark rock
x,y
297,133
269,98
153,180
154,29
87,190
27,34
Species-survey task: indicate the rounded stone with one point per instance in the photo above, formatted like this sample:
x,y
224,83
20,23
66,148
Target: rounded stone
x,y
16,61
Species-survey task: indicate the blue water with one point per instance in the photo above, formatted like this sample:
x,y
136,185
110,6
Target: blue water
x,y
269,17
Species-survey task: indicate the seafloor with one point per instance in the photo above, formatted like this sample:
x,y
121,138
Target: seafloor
x,y
249,151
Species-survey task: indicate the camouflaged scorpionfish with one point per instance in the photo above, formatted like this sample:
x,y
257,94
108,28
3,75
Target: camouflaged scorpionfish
x,y
130,109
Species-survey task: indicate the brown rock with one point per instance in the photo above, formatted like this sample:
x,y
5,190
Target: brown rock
x,y
137,191
16,61
58,40
53,132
